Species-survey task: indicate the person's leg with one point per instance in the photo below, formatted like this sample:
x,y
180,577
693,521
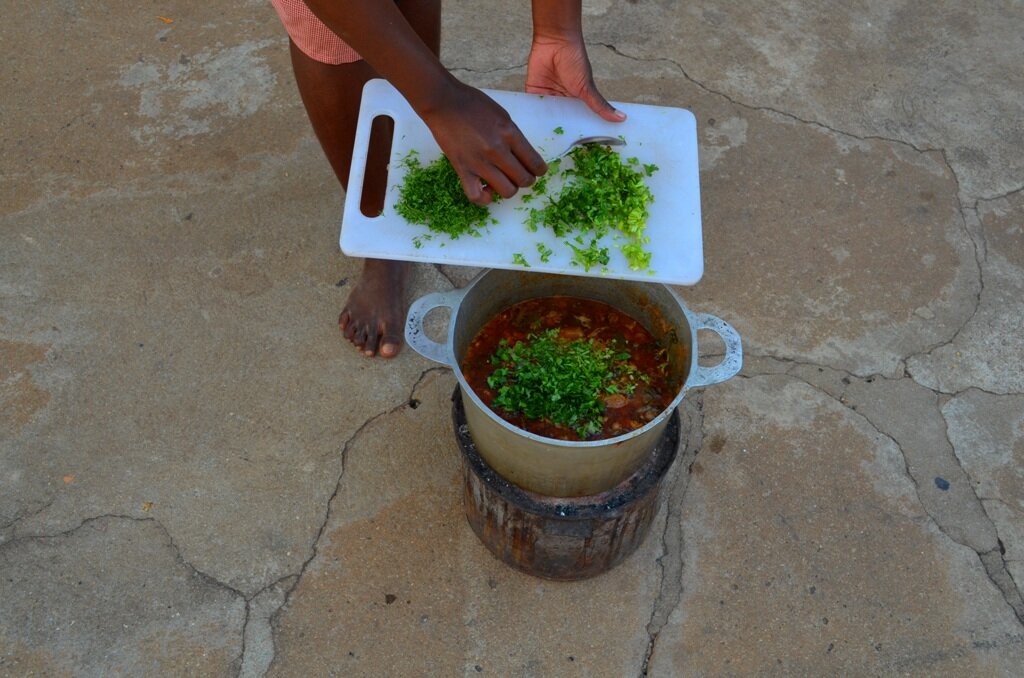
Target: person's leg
x,y
374,315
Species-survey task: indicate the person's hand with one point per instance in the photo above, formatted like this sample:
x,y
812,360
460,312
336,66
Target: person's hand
x,y
560,67
487,150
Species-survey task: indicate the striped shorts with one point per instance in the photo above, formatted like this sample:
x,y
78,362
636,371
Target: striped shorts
x,y
311,35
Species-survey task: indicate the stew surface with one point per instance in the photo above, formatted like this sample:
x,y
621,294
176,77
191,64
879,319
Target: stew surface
x,y
635,392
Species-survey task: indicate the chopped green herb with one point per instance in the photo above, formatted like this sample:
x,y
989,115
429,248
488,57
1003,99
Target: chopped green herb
x,y
545,252
540,187
432,196
559,130
547,377
602,194
518,258
635,253
590,256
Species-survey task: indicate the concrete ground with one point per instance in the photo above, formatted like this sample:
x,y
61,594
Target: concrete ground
x,y
199,477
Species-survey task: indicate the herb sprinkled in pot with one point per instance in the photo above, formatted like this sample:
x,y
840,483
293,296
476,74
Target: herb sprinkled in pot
x,y
569,368
563,381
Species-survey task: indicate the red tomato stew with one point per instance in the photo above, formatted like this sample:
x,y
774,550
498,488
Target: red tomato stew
x,y
569,368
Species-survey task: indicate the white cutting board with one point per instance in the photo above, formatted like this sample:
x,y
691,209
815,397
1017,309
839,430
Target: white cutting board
x,y
663,136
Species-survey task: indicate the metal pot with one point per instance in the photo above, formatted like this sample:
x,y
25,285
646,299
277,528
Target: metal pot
x,y
561,468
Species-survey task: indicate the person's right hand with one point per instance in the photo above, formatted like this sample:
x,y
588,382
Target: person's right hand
x,y
485,147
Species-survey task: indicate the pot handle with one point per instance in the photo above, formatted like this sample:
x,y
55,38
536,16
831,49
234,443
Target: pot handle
x,y
730,364
414,333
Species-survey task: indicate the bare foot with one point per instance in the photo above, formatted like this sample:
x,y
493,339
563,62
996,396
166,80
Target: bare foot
x,y
374,315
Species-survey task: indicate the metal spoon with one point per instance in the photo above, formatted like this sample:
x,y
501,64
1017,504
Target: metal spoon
x,y
607,141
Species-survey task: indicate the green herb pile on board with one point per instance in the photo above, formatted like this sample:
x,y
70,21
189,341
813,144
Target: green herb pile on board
x,y
602,194
560,380
432,196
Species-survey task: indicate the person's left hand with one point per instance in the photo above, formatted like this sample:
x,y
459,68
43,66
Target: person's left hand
x,y
562,68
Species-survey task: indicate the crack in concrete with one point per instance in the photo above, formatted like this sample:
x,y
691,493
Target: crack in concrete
x,y
10,525
169,541
178,556
978,233
870,137
906,465
997,500
995,565
314,550
500,69
647,656
239,661
271,586
444,275
999,576
980,255
769,109
794,363
754,107
670,562
996,575
259,653
68,532
1001,196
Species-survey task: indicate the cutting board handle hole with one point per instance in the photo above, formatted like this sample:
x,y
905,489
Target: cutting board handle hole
x,y
375,183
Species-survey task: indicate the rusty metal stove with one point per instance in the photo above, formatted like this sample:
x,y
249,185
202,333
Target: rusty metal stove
x,y
562,538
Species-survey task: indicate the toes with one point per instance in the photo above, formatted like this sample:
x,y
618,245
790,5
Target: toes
x,y
390,345
355,332
374,338
372,344
360,337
